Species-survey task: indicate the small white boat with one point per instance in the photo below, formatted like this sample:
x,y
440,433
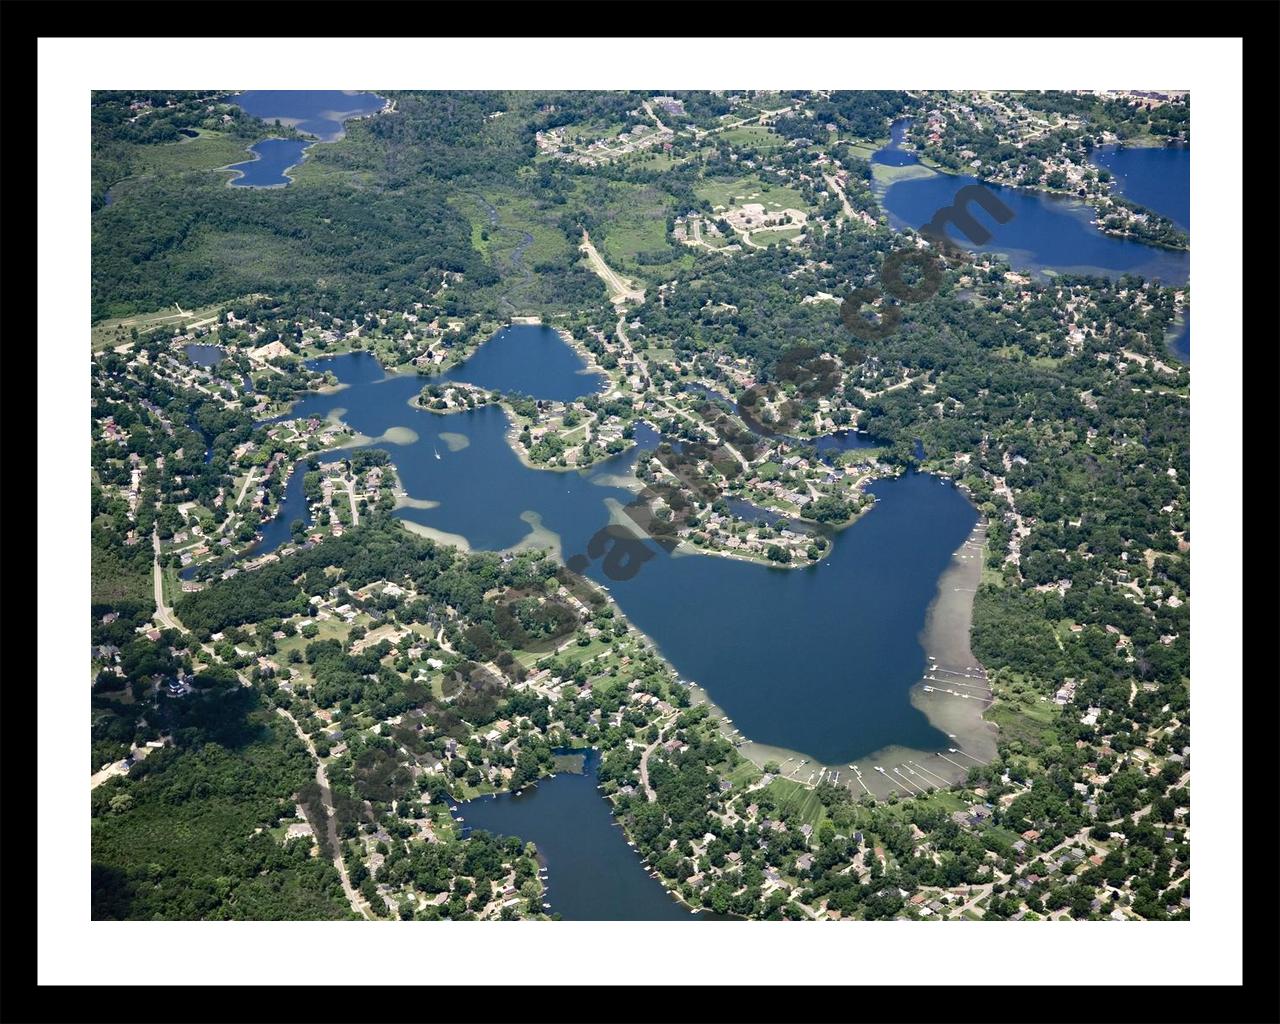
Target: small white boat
x,y
437,451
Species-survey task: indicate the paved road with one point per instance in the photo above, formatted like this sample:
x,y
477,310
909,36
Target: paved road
x,y
844,201
351,494
644,769
166,618
243,490
164,614
354,898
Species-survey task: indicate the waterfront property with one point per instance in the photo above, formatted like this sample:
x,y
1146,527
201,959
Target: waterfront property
x,y
1048,234
1157,177
819,660
592,872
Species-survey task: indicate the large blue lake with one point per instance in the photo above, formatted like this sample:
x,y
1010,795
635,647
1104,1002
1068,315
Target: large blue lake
x,y
1158,177
321,113
1047,233
527,357
817,659
272,158
318,112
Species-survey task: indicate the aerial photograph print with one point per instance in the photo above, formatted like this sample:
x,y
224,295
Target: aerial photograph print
x,y
640,505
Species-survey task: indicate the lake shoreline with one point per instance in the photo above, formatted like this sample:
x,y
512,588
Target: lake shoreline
x,y
886,175
947,627
453,531
237,174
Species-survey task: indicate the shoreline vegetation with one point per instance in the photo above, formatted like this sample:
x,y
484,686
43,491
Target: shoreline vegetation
x,y
686,545
947,619
946,628
944,639
886,176
255,156
1053,645
341,117
1070,177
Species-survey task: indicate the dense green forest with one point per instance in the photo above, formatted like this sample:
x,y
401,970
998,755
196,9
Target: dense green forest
x,y
187,836
128,124
1053,403
368,224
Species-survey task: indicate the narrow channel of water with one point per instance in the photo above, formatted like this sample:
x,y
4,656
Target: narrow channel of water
x,y
593,874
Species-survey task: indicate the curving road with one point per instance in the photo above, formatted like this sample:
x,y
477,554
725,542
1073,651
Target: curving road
x,y
167,620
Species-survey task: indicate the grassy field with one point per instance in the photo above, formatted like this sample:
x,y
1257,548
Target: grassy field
x,y
883,175
330,629
625,238
1025,721
754,136
750,189
518,216
743,774
632,221
655,354
208,152
1007,837
793,798
866,150
649,160
940,800
110,333
586,132
776,236
170,584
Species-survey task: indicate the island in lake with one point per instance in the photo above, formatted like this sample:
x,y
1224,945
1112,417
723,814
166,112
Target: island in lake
x,y
555,506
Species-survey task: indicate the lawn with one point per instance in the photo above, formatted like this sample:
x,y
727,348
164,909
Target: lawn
x,y
118,331
744,773
734,192
171,585
939,800
795,799
754,137
775,236
329,629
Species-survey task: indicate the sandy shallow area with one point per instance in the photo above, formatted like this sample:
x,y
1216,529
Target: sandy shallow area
x,y
952,693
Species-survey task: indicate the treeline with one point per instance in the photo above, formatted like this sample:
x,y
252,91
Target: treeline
x,y
1103,478
185,239
864,113
1125,118
1146,225
122,120
379,550
185,836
